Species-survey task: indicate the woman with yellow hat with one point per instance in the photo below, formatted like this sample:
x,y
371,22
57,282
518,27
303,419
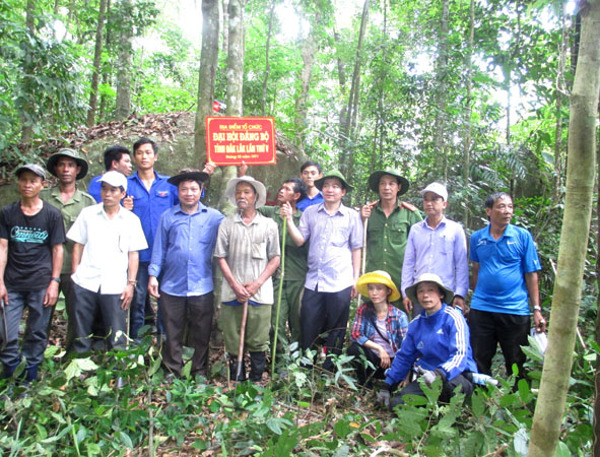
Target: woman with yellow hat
x,y
378,327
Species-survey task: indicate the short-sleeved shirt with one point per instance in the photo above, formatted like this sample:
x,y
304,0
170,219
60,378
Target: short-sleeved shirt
x,y
308,201
30,242
107,243
501,285
149,205
295,256
94,188
332,239
387,237
248,249
441,250
183,249
69,211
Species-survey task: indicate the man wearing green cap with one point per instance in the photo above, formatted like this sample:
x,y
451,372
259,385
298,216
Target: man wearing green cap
x,y
68,167
389,223
336,236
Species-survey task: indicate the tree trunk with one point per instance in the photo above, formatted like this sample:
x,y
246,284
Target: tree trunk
x,y
468,137
581,168
349,117
91,115
309,48
123,103
267,62
208,69
28,70
596,423
441,101
235,77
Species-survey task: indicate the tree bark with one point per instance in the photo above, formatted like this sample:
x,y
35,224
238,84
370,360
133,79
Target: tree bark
x,y
581,168
267,62
596,423
468,137
208,69
123,103
234,77
441,102
28,70
91,115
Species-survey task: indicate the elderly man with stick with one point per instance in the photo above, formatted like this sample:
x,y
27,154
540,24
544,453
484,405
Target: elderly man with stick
x,y
248,254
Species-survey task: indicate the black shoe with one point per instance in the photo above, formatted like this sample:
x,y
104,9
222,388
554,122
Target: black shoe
x,y
258,361
233,369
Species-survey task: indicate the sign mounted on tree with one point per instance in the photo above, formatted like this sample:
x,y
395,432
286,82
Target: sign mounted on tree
x,y
231,140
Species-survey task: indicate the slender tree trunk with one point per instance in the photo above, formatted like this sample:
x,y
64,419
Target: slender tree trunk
x,y
309,48
91,115
28,71
441,101
235,77
596,427
208,69
468,138
581,168
123,103
267,62
350,115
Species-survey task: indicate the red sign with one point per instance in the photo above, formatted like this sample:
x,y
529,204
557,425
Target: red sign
x,y
231,140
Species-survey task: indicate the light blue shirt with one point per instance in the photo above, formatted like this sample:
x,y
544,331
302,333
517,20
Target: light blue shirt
x,y
183,249
501,285
307,201
332,240
442,251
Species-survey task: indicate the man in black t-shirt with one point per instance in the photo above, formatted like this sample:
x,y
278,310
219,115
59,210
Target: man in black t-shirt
x,y
31,254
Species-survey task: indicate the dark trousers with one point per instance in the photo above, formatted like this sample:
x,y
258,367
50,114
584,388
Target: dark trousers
x,y
325,312
413,388
113,316
489,329
365,374
195,312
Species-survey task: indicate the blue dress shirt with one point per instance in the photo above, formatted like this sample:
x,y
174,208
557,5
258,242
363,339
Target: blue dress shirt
x,y
183,249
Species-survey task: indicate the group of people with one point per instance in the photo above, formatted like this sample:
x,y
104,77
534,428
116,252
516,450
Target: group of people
x,y
146,234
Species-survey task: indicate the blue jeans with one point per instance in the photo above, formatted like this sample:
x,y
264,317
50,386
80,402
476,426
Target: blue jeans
x,y
138,305
36,328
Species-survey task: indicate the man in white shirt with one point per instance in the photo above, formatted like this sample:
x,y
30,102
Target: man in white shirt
x,y
105,262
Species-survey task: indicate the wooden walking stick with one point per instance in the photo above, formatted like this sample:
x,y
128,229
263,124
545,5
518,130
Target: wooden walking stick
x,y
240,357
278,310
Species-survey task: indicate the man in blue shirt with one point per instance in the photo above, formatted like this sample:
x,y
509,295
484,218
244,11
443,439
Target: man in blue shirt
x,y
505,266
436,245
117,158
149,195
310,172
182,256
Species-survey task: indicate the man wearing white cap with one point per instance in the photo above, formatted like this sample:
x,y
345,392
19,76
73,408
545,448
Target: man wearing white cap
x,y
105,261
436,245
248,253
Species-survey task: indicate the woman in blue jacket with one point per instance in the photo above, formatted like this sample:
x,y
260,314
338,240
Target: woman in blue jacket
x,y
437,341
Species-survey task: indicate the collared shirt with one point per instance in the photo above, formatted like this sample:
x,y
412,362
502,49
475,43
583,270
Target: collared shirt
x,y
439,341
501,285
386,239
363,328
332,239
107,244
183,250
295,256
95,187
307,201
248,249
69,211
441,250
149,205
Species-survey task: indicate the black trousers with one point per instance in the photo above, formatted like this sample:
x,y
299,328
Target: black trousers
x,y
195,312
325,312
413,388
488,329
364,374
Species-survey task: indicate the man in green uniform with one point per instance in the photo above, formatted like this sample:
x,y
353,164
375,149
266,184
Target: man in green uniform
x,y
389,221
293,190
68,167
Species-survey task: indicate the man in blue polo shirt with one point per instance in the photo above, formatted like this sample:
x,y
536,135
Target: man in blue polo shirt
x,y
505,266
182,257
149,195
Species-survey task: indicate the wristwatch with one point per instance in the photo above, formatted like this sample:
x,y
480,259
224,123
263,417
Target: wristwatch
x,y
537,308
56,279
